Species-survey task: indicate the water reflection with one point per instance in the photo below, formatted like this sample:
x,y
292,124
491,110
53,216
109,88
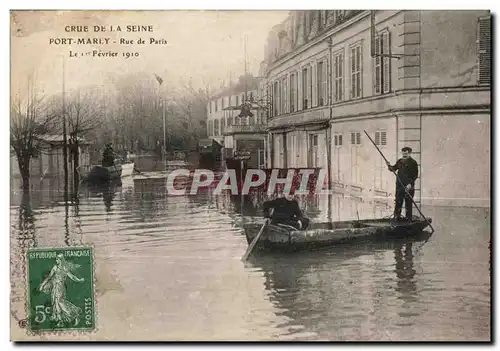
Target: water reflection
x,y
405,271
325,290
190,247
26,228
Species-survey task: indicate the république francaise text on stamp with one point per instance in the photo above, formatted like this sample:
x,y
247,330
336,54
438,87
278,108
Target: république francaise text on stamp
x,y
61,289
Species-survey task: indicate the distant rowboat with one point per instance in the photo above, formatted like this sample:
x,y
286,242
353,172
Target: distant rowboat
x,y
98,174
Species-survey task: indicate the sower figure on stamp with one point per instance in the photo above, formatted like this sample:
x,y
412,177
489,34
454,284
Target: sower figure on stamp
x,y
63,311
407,172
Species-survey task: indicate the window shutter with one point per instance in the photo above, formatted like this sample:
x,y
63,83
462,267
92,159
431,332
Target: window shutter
x,y
353,69
358,138
377,138
383,138
311,85
341,75
377,66
484,50
285,96
386,50
358,73
353,138
325,83
340,139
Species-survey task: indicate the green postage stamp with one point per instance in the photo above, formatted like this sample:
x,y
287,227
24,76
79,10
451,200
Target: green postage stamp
x,y
61,289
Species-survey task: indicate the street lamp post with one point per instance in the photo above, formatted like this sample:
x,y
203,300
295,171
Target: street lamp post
x,y
162,101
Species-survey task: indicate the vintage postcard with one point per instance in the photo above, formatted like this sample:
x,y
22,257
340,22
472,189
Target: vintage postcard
x,y
203,175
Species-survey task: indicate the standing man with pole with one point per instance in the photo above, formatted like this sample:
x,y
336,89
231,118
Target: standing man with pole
x,y
407,169
402,185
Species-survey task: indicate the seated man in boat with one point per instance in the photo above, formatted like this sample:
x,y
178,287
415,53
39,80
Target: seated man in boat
x,y
108,156
407,172
286,210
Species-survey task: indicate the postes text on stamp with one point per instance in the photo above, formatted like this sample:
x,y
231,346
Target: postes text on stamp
x,y
61,289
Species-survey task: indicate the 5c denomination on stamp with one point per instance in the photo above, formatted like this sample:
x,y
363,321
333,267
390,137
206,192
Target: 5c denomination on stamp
x,y
61,289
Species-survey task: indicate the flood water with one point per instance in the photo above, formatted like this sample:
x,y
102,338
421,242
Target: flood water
x,y
169,268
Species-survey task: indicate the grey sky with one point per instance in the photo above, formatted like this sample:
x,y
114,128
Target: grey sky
x,y
202,45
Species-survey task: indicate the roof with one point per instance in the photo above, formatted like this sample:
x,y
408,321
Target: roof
x,y
255,106
206,142
58,138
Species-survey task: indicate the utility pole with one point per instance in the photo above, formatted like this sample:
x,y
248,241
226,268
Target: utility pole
x,y
162,101
164,130
245,59
65,150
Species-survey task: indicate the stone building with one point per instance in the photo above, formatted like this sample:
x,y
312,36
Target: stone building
x,y
225,125
427,86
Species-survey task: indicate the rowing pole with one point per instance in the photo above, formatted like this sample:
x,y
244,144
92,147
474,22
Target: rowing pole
x,y
400,182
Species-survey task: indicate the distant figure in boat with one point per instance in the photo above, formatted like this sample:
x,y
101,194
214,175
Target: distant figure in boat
x,y
108,156
407,169
286,210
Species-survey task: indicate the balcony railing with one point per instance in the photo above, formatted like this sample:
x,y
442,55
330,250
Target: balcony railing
x,y
238,128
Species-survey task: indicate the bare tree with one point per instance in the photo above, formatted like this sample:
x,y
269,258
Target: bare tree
x,y
84,114
29,121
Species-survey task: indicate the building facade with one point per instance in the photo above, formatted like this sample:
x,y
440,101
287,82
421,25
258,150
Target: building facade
x,y
50,161
236,133
408,78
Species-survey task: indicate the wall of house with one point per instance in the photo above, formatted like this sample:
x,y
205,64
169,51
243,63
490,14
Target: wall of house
x,y
448,42
49,163
456,159
359,167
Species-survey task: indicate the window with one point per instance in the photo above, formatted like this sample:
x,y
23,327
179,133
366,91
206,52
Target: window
x,y
314,139
338,74
381,138
210,107
355,57
337,140
210,128
304,89
223,124
382,65
216,127
293,92
340,15
323,16
356,138
216,102
283,96
484,50
237,100
223,100
251,96
310,86
229,121
321,83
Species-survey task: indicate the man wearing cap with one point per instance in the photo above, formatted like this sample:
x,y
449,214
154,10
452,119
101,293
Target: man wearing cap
x,y
407,169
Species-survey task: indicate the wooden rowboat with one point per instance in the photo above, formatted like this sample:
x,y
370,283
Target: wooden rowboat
x,y
286,238
100,174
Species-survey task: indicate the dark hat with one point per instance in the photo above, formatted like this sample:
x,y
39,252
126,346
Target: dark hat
x,y
406,148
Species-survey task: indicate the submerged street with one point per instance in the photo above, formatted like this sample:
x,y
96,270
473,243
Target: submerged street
x,y
170,268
